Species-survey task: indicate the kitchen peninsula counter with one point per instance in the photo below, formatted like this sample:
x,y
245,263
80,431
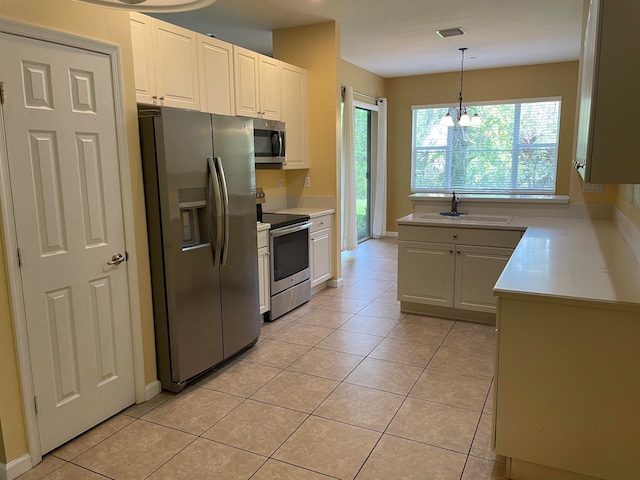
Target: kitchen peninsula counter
x,y
567,259
567,370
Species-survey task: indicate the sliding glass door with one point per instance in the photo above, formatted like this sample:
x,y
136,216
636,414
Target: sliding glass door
x,y
363,171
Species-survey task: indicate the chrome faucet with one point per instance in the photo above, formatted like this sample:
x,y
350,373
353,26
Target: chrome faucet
x,y
454,203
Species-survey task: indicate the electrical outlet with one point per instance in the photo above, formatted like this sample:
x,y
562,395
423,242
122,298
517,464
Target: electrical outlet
x,y
307,182
281,183
592,187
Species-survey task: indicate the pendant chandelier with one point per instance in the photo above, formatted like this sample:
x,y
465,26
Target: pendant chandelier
x,y
152,5
461,112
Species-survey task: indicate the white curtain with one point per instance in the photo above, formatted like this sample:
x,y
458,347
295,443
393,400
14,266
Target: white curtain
x,y
349,217
380,189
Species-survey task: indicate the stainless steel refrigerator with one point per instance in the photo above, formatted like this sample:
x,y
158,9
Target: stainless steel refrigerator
x,y
199,184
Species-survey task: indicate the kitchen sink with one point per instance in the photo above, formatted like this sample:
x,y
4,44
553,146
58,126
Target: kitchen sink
x,y
464,219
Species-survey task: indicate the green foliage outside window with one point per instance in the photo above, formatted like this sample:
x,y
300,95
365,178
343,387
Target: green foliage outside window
x,y
515,149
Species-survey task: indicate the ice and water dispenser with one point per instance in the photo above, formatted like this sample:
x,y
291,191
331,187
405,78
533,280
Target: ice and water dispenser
x,y
193,216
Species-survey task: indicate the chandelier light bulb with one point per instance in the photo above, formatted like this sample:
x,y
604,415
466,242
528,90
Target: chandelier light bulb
x,y
475,120
447,121
465,120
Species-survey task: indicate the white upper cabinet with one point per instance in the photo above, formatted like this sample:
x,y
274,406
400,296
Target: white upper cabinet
x,y
216,76
246,68
165,62
293,104
257,80
607,144
142,44
269,78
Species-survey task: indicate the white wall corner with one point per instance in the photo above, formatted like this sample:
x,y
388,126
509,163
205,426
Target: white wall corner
x,y
15,468
152,389
628,230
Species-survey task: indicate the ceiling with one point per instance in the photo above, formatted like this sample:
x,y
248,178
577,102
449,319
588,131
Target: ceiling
x,y
395,38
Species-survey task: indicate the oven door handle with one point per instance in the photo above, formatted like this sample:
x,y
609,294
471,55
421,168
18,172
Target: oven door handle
x,y
214,199
285,231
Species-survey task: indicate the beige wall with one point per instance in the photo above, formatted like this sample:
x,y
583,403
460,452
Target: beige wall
x,y
362,81
317,49
536,81
111,26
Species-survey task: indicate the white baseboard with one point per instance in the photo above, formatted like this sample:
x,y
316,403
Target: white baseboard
x,y
336,282
390,234
152,389
15,468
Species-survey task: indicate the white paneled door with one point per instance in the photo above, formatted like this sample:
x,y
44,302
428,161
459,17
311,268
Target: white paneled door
x,y
61,144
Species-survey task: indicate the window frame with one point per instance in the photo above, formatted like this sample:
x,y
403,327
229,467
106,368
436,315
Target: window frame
x,y
515,150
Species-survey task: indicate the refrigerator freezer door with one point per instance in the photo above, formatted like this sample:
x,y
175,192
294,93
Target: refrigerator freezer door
x,y
233,145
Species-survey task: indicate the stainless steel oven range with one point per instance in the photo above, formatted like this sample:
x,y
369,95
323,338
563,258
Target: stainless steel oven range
x,y
289,258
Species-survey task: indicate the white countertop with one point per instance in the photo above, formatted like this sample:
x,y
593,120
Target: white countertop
x,y
569,259
312,212
263,226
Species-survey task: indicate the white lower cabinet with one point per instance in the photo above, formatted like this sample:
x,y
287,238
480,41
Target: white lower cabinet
x,y
320,240
452,268
263,271
477,271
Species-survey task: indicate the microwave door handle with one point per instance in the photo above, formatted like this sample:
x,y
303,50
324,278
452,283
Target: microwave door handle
x,y
215,218
281,140
225,206
275,144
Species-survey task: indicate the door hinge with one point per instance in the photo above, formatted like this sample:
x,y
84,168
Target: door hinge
x,y
2,93
35,402
20,257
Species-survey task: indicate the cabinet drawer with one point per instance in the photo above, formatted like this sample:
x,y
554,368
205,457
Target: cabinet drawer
x,y
263,238
320,223
460,236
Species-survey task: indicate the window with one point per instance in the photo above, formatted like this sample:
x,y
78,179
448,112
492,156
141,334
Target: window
x,y
514,150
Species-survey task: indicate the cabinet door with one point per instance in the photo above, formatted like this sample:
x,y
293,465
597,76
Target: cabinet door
x,y
425,273
216,76
477,271
245,66
293,100
269,75
142,45
263,279
175,53
320,253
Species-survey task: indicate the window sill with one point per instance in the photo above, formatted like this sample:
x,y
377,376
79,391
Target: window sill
x,y
490,198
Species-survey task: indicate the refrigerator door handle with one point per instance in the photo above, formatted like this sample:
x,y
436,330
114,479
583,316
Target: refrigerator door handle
x,y
214,197
225,201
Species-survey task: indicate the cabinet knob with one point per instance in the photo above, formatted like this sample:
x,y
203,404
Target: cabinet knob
x,y
458,252
455,235
450,251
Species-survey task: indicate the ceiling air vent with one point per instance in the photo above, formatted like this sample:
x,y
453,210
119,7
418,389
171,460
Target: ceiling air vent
x,y
451,32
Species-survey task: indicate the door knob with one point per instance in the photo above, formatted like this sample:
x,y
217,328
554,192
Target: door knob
x,y
117,259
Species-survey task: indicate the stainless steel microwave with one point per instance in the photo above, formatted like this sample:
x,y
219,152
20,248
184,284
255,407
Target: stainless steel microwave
x,y
269,142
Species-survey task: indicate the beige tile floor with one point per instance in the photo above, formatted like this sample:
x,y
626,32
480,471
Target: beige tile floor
x,y
344,387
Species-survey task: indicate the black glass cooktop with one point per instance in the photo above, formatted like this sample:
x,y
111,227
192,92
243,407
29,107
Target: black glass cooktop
x,y
278,220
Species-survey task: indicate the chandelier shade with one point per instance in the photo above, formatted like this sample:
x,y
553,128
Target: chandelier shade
x,y
460,113
158,6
